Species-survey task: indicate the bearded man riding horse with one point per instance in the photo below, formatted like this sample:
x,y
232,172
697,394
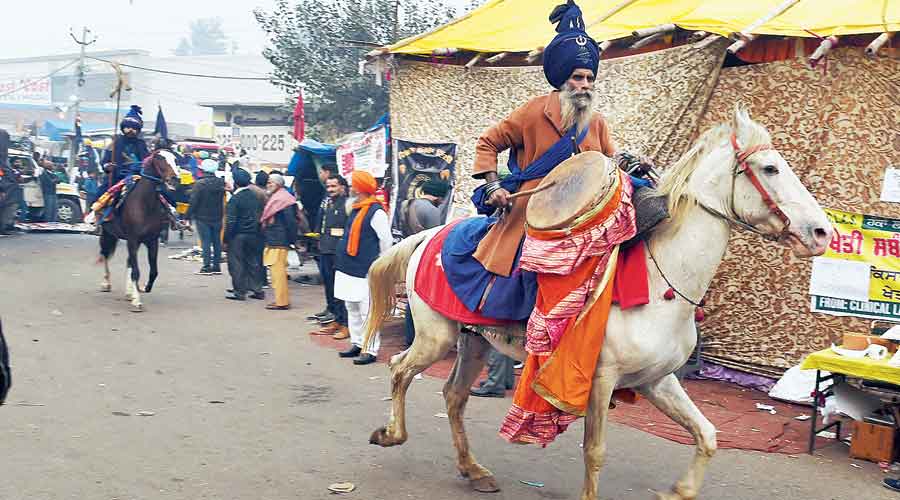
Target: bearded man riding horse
x,y
608,315
124,161
137,203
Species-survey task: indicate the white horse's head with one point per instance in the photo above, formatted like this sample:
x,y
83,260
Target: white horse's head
x,y
734,172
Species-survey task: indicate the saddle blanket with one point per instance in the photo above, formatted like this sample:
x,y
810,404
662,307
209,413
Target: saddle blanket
x,y
630,288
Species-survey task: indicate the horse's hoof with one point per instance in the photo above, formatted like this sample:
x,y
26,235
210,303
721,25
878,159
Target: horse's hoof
x,y
137,309
147,289
486,484
379,437
105,288
671,495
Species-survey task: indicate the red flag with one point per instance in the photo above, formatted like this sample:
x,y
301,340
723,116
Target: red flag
x,y
299,124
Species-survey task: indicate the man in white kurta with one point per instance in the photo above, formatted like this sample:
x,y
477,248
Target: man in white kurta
x,y
366,236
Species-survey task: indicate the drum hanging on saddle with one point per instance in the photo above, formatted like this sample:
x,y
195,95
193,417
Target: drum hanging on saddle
x,y
572,195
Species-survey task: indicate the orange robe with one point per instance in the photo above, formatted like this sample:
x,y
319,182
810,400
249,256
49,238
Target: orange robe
x,y
530,131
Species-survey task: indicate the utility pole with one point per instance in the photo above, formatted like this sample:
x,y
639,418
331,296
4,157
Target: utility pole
x,y
83,43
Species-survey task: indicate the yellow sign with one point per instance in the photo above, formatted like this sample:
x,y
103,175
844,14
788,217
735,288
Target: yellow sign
x,y
874,240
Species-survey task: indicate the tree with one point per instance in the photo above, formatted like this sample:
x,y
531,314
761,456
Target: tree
x,y
316,45
207,39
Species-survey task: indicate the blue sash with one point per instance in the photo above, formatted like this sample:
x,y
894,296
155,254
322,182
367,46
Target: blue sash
x,y
513,297
559,152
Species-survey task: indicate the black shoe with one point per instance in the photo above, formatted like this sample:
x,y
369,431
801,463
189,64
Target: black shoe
x,y
484,392
235,296
316,316
350,353
324,320
891,484
258,295
204,271
216,270
365,359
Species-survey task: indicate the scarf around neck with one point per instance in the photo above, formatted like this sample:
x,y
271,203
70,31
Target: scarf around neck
x,y
278,201
356,228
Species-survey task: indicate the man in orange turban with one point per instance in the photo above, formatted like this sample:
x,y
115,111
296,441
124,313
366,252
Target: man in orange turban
x,y
367,235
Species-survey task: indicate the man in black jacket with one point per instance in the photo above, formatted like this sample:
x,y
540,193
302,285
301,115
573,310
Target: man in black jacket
x,y
10,191
331,221
48,181
242,237
207,209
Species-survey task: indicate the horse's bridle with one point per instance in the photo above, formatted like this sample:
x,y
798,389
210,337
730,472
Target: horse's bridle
x,y
158,179
742,167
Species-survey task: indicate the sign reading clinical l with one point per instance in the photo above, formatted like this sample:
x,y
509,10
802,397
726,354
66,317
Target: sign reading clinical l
x,y
859,275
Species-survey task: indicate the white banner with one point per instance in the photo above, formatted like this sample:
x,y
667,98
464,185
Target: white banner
x,y
363,151
264,144
25,91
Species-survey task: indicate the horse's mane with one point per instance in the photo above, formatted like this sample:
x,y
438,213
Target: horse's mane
x,y
674,182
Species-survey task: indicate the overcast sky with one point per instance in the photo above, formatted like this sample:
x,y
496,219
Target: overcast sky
x,y
42,28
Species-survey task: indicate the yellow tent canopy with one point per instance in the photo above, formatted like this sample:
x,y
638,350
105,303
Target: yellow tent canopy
x,y
522,25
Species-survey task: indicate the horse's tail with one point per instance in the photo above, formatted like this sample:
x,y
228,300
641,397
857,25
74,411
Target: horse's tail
x,y
385,273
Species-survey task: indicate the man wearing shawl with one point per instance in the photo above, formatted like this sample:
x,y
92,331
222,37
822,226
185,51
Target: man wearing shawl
x,y
279,225
366,236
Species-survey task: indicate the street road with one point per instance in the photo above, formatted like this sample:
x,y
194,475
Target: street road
x,y
241,404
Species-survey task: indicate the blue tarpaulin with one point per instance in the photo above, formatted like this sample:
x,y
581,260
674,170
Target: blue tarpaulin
x,y
304,166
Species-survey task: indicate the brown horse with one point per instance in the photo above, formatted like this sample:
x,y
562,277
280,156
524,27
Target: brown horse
x,y
140,220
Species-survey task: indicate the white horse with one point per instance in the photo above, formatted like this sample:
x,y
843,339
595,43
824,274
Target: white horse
x,y
731,176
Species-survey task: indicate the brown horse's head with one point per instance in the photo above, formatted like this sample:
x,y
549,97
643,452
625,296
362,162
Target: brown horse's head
x,y
161,163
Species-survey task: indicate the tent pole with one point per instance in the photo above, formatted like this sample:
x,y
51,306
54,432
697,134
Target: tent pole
x,y
615,10
777,11
879,42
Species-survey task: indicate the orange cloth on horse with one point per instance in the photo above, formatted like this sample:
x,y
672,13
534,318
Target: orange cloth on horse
x,y
529,131
565,333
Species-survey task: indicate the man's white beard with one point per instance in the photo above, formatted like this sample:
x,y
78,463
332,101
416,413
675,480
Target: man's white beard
x,y
577,108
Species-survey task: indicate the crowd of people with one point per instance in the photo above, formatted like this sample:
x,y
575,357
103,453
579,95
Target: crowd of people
x,y
17,172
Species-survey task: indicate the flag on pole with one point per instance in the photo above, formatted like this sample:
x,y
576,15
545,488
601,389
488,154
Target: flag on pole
x,y
299,124
161,129
76,146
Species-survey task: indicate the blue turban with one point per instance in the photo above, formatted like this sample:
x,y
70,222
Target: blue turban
x,y
132,119
241,177
571,49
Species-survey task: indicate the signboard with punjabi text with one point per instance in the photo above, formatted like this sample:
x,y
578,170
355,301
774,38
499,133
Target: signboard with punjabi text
x,y
874,242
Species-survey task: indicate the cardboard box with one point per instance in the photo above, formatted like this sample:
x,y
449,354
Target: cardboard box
x,y
873,442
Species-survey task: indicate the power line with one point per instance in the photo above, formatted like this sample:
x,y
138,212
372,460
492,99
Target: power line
x,y
178,73
29,82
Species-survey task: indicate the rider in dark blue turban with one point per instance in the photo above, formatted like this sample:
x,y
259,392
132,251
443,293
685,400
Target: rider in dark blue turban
x,y
571,49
